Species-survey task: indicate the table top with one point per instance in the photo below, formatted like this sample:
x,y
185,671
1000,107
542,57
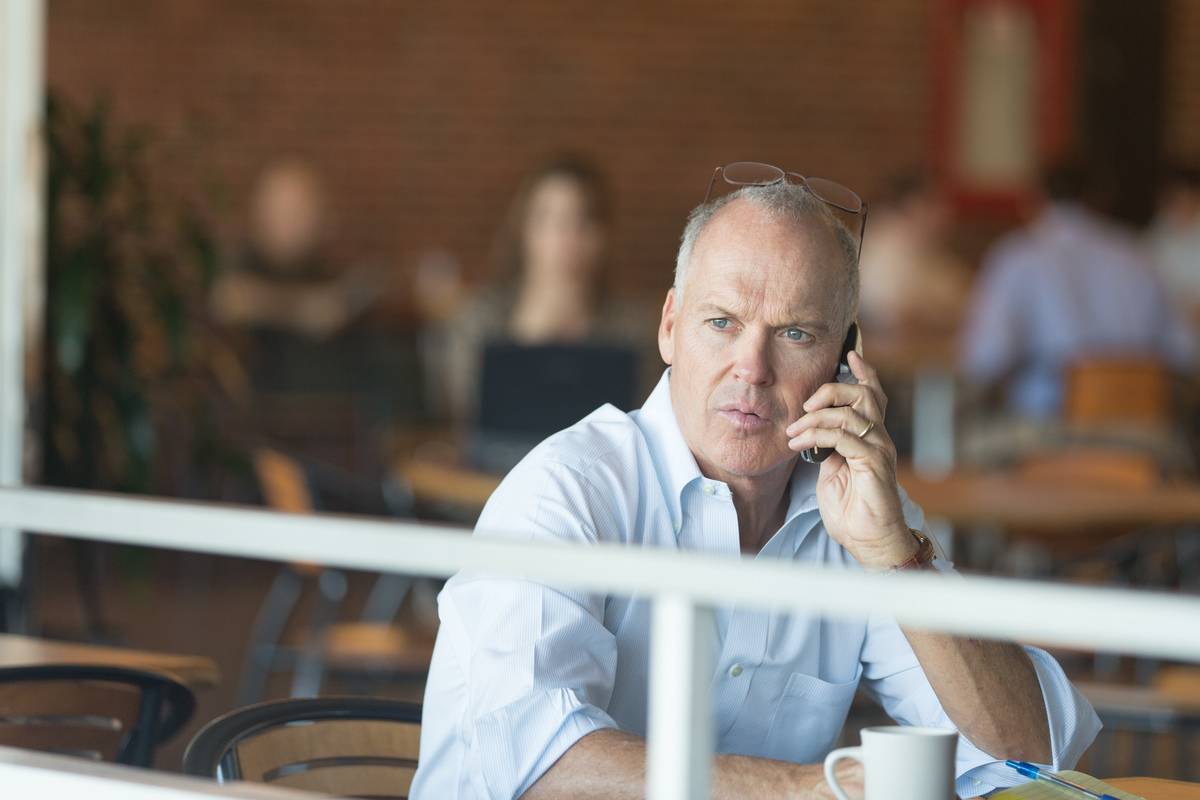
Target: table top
x,y
1157,788
963,497
195,672
975,497
1143,701
437,482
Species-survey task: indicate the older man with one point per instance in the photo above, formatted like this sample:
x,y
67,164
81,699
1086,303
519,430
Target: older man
x,y
540,692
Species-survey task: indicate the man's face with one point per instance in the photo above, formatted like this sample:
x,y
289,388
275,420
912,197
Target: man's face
x,y
757,330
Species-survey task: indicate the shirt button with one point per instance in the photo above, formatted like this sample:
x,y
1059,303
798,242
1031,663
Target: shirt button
x,y
735,670
710,489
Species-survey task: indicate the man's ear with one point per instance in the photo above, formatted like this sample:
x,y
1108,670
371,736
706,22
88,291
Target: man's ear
x,y
666,329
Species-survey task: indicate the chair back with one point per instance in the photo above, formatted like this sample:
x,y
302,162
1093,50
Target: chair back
x,y
299,487
96,712
282,481
346,746
1105,390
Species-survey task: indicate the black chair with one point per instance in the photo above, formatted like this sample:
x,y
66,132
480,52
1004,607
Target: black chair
x,y
99,712
346,746
370,646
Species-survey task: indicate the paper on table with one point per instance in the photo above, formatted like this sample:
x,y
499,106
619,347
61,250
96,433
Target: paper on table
x,y
1040,790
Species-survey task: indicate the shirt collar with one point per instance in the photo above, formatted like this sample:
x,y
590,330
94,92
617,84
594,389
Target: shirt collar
x,y
676,465
673,461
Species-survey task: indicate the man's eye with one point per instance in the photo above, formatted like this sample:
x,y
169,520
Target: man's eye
x,y
796,335
720,323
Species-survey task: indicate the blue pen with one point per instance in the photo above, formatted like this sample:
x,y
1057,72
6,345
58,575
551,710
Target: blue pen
x,y
1031,771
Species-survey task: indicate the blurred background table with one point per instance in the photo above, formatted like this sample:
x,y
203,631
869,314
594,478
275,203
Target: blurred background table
x,y
436,482
1157,788
195,672
970,497
961,497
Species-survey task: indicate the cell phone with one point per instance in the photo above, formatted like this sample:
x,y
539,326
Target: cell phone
x,y
815,455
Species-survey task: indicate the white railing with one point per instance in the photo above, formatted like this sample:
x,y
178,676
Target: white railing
x,y
25,774
22,45
686,587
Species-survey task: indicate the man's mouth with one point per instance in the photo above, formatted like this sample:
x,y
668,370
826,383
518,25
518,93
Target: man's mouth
x,y
745,417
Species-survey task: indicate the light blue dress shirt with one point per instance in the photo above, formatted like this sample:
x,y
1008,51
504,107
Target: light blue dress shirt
x,y
521,670
1068,286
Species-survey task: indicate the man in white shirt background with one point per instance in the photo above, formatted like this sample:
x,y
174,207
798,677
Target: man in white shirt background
x,y
540,692
1070,285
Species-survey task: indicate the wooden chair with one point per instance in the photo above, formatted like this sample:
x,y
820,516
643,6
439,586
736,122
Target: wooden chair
x,y
1130,390
371,645
1141,712
346,746
99,712
1180,683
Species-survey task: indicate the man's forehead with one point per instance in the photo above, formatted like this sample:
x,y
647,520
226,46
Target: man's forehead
x,y
780,308
749,257
744,233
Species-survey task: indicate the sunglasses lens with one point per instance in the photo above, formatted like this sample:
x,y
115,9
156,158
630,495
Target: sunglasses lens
x,y
751,173
835,194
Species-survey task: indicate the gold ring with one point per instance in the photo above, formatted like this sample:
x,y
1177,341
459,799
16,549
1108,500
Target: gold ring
x,y
870,427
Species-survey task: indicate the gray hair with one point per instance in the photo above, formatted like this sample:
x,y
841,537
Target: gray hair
x,y
781,201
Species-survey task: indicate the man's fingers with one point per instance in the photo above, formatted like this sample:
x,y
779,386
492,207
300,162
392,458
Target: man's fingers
x,y
844,417
865,398
863,372
848,444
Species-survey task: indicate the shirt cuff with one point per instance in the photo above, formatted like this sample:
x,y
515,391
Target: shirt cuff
x,y
1073,726
513,746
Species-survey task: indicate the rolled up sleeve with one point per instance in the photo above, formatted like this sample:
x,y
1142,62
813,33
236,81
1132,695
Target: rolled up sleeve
x,y
521,670
540,670
893,675
1073,727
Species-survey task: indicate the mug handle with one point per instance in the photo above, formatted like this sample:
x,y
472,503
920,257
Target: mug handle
x,y
831,760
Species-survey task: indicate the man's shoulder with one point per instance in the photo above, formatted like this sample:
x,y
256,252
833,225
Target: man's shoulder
x,y
605,435
596,466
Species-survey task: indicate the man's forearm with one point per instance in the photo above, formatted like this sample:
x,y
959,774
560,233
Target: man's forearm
x,y
991,692
611,764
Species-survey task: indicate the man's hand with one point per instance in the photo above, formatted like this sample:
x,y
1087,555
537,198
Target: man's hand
x,y
856,490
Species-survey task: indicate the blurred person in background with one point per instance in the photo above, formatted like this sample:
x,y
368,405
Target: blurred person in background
x,y
914,290
1070,284
551,286
290,303
1175,239
282,278
912,283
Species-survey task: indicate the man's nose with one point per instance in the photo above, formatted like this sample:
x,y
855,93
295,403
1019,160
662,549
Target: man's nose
x,y
752,362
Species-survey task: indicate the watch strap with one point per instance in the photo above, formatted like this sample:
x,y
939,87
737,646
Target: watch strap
x,y
920,559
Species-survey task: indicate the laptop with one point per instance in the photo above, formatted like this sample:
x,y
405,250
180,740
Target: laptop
x,y
527,393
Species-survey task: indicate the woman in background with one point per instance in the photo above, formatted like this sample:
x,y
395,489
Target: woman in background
x,y
551,285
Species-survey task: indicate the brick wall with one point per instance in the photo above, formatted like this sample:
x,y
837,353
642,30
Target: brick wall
x,y
1183,80
423,116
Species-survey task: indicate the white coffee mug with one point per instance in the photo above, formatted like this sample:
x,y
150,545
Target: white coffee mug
x,y
901,763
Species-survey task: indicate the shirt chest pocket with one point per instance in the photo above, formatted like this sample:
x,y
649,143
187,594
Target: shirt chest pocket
x,y
808,718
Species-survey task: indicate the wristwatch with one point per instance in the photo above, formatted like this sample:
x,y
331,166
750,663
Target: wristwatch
x,y
920,559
